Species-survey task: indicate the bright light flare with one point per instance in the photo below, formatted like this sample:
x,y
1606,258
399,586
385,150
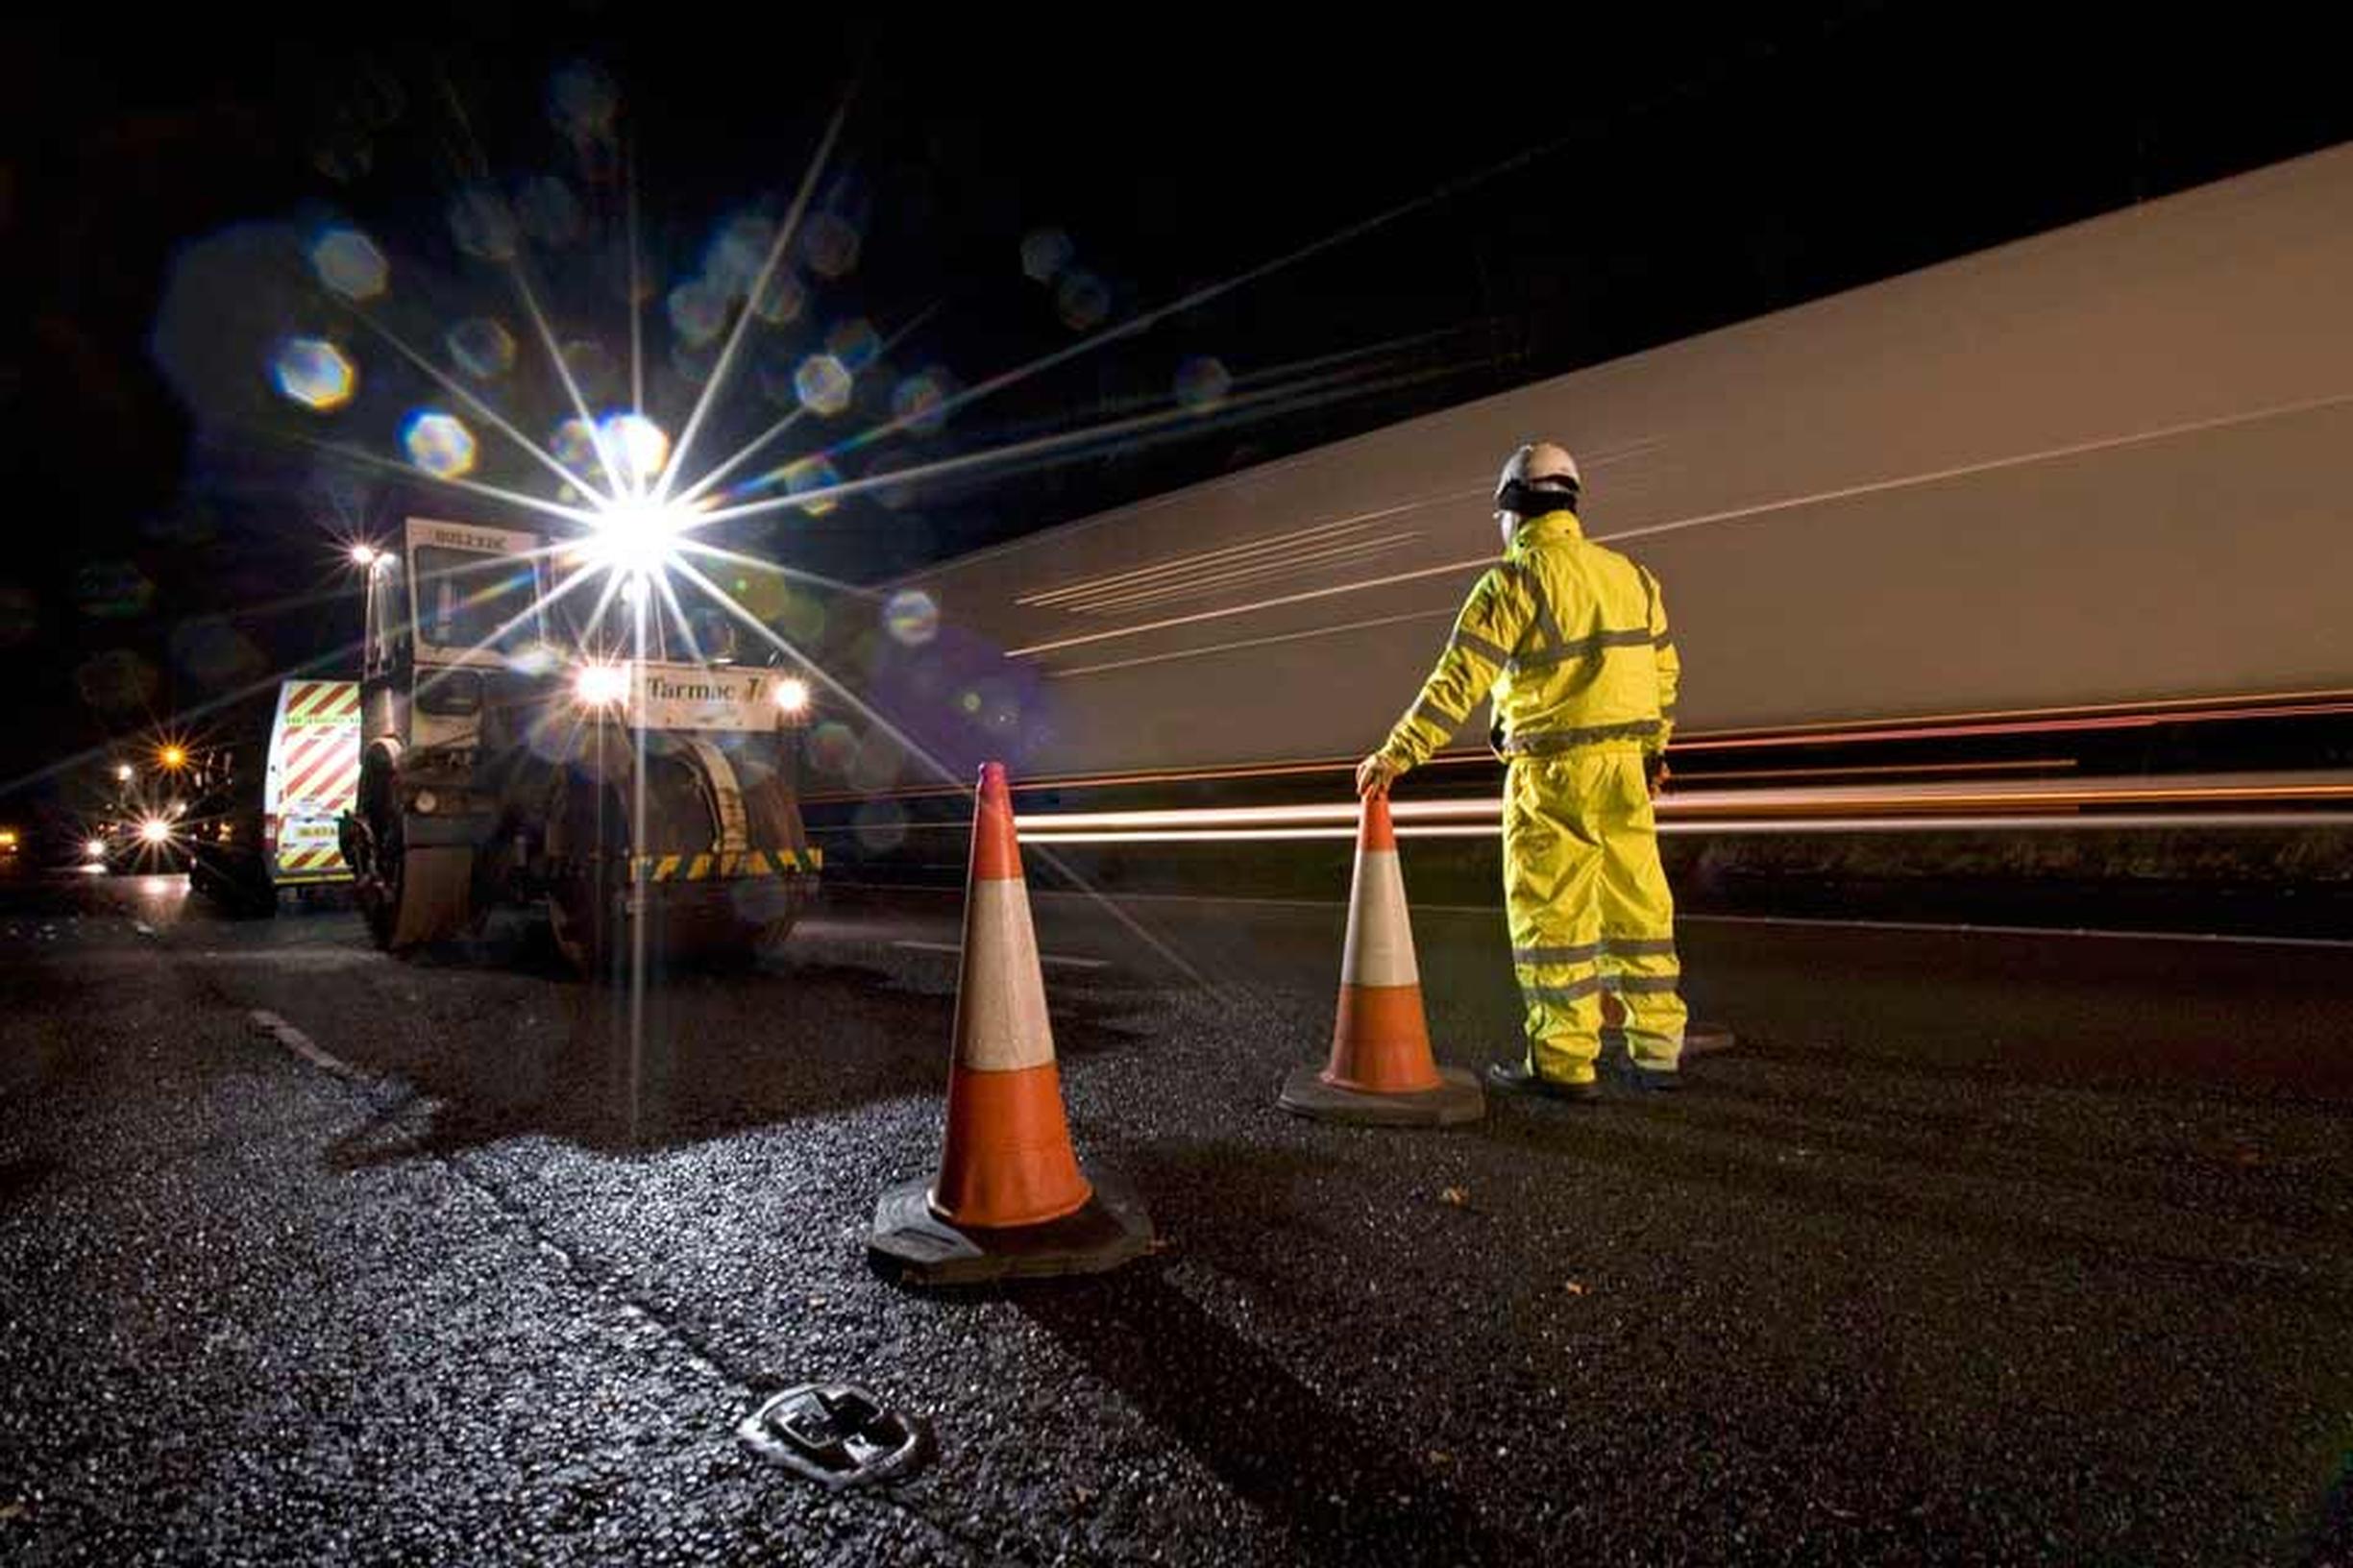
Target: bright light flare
x,y
365,556
635,449
601,685
636,539
792,695
172,757
124,773
94,849
155,830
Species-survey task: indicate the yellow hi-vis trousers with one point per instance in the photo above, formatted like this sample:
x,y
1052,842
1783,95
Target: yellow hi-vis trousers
x,y
1589,909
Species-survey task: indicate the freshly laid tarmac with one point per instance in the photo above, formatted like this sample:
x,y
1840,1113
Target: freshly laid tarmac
x,y
1977,1248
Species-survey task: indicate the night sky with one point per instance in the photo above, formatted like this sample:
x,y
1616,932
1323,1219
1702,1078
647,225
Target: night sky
x,y
1571,191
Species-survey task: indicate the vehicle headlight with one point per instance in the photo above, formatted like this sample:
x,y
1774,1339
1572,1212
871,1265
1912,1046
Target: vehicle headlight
x,y
156,830
95,849
601,685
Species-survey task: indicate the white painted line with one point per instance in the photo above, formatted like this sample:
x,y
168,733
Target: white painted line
x,y
304,1046
1042,958
2225,938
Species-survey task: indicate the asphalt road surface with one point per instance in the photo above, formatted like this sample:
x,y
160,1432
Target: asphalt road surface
x,y
1976,1248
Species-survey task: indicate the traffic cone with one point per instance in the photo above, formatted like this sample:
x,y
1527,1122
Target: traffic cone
x,y
1380,1070
1009,1197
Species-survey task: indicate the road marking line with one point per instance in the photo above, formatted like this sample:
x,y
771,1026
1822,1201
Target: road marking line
x,y
1042,958
304,1046
1955,928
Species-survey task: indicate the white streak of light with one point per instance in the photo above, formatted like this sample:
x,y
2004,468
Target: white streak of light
x,y
2169,821
785,231
1730,515
1447,611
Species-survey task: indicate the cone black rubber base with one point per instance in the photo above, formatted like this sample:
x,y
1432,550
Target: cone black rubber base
x,y
1456,1100
915,1246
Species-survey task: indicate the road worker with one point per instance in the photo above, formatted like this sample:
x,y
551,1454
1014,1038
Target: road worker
x,y
1570,640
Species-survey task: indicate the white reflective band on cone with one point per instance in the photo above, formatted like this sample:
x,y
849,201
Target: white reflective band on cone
x,y
1380,949
1000,1001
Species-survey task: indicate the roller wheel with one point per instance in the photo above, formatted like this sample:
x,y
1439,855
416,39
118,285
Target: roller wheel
x,y
410,897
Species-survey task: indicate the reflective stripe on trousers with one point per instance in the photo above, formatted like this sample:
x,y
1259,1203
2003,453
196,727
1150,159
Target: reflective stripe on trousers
x,y
1589,909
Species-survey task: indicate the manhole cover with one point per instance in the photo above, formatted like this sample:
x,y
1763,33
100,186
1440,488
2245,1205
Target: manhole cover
x,y
836,1433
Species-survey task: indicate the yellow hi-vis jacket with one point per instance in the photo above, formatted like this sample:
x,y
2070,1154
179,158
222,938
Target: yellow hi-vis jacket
x,y
1571,640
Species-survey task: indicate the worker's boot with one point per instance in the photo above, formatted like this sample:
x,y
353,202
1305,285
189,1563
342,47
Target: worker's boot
x,y
1514,1078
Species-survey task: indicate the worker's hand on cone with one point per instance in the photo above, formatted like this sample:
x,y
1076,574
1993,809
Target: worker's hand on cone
x,y
1374,775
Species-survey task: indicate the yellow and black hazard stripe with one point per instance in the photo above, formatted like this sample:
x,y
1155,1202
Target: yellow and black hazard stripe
x,y
713,867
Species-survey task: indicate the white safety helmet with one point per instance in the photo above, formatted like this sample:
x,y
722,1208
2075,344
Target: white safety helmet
x,y
1539,478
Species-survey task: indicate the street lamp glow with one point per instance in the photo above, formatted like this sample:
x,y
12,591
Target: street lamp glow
x,y
365,556
155,830
172,757
124,773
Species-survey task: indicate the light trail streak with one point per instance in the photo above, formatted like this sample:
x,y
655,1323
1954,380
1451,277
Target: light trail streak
x,y
1328,554
1700,804
1449,612
2122,821
1087,589
1729,515
786,229
1990,465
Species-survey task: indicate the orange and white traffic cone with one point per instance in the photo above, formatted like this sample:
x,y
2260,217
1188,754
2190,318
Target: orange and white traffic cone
x,y
1009,1197
1382,1071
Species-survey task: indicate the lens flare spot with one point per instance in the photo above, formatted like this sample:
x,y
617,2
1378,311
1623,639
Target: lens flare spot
x,y
482,348
439,444
698,311
483,225
574,446
635,447
832,747
1202,382
737,252
550,213
912,617
829,241
823,383
921,399
855,343
1045,253
314,373
783,298
582,102
1083,300
348,262
812,476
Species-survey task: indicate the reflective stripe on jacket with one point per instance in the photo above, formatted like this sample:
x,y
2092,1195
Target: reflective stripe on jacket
x,y
1568,637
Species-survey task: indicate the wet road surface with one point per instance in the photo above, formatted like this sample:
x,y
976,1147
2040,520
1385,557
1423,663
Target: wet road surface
x,y
2000,1248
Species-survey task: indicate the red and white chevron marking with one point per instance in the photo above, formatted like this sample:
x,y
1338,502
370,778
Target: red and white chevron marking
x,y
318,763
